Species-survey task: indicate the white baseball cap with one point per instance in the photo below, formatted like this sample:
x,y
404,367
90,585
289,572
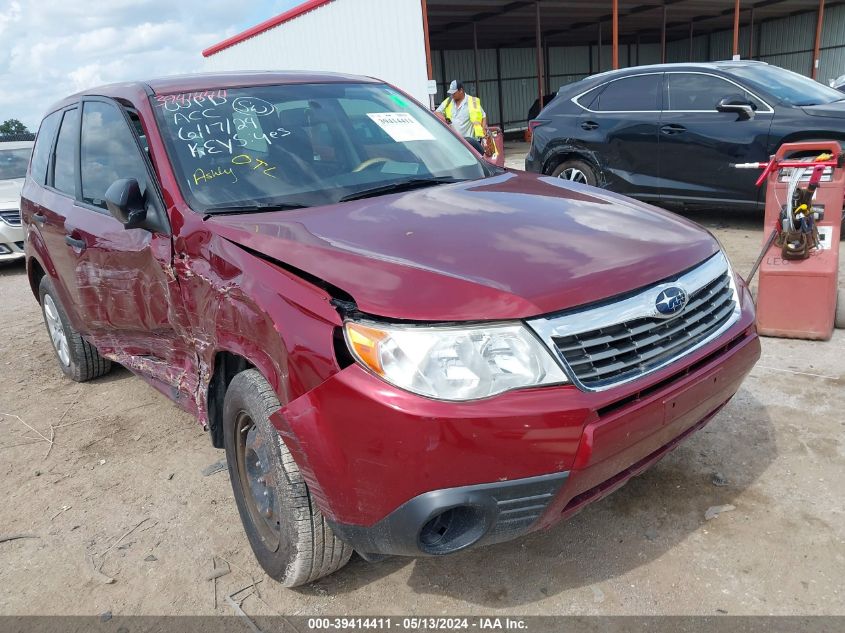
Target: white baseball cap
x,y
454,87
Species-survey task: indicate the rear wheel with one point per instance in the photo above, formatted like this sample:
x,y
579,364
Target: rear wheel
x,y
576,171
78,359
287,532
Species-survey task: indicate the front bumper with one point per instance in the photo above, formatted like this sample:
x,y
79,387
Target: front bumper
x,y
11,242
383,465
490,513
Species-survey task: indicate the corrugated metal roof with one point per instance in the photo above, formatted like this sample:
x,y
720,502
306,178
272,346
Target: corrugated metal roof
x,y
512,23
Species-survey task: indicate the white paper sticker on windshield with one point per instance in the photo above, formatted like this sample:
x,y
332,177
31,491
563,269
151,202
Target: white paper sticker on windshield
x,y
401,126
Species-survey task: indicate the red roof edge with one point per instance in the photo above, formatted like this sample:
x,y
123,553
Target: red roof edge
x,y
287,16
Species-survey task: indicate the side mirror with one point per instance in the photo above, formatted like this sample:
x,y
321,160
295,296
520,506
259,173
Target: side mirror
x,y
126,202
743,108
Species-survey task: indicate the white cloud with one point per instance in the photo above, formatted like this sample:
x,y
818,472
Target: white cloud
x,y
53,48
11,14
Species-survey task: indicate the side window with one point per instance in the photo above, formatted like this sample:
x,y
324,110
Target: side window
x,y
64,165
588,99
139,129
698,92
43,146
631,94
109,152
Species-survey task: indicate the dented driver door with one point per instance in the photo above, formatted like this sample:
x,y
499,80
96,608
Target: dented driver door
x,y
128,294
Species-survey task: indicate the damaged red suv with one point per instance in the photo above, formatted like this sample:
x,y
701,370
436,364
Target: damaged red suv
x,y
402,349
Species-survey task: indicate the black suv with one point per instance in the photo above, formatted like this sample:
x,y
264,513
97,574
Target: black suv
x,y
668,133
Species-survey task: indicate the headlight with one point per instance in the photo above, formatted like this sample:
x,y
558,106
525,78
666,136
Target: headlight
x,y
453,363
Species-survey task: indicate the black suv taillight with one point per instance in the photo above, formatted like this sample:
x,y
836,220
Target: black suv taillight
x,y
532,125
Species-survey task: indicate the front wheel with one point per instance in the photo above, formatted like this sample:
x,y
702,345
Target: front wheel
x,y
78,359
576,171
287,532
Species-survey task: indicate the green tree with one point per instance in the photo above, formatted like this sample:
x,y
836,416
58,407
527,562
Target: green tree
x,y
12,126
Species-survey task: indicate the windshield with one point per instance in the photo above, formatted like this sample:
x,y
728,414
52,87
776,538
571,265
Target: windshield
x,y
13,163
304,145
787,86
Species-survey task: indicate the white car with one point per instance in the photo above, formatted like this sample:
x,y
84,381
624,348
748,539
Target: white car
x,y
14,159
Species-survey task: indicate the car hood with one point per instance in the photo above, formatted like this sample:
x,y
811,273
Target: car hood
x,y
510,246
10,193
834,110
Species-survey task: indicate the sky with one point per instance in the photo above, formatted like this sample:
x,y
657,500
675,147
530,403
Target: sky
x,y
52,48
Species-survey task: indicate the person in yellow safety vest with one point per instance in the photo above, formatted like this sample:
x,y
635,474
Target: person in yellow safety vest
x,y
464,113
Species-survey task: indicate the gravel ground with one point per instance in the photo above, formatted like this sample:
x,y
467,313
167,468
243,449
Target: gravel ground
x,y
126,462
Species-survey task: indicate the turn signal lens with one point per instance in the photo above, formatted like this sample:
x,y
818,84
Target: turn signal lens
x,y
364,342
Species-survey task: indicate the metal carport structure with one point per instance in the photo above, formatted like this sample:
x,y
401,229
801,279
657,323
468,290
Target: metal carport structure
x,y
627,26
512,52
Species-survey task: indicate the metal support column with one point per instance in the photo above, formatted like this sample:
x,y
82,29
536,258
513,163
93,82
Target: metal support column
x,y
817,47
736,30
429,65
539,45
615,35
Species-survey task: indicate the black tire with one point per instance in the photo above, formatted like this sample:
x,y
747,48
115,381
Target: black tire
x,y
79,361
294,544
578,168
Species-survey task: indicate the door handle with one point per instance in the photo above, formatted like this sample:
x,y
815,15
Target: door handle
x,y
589,125
75,243
672,128
41,219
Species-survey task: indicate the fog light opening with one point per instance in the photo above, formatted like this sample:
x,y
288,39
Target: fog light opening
x,y
452,530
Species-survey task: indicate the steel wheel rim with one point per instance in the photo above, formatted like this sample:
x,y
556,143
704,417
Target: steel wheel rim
x,y
56,330
258,481
574,175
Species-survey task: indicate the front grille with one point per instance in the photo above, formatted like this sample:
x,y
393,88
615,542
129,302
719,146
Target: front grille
x,y
11,217
633,347
19,245
615,351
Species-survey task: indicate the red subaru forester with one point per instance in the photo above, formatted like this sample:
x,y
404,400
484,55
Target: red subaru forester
x,y
402,349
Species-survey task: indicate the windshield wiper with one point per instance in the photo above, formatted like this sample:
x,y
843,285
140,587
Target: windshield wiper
x,y
258,207
401,185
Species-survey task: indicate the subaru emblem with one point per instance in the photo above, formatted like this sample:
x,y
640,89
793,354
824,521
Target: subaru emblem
x,y
671,301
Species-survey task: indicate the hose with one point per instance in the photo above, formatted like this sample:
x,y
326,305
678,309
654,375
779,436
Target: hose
x,y
794,180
